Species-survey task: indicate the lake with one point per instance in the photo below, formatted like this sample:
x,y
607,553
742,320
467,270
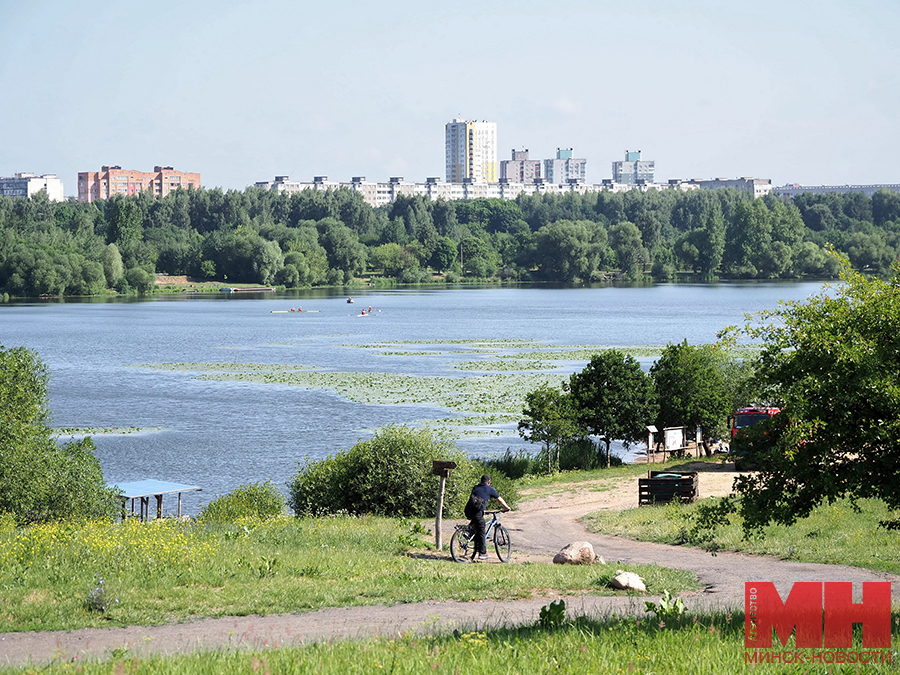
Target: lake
x,y
219,433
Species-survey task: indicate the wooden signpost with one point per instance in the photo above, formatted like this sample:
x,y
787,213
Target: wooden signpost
x,y
442,469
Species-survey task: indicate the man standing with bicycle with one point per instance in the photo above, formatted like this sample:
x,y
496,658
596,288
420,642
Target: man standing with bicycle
x,y
478,500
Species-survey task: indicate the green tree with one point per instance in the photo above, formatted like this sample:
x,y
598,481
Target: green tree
x,y
550,418
614,398
140,279
344,251
477,257
388,258
125,224
444,254
267,261
113,268
832,366
567,250
693,389
625,240
40,480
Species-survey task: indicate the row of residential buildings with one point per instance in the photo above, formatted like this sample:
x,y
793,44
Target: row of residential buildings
x,y
472,172
381,193
470,154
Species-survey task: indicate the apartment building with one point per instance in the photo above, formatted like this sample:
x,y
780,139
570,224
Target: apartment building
x,y
633,169
756,187
25,184
114,180
470,151
520,169
795,189
380,194
565,167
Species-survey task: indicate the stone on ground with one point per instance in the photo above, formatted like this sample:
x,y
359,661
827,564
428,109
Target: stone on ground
x,y
628,581
577,553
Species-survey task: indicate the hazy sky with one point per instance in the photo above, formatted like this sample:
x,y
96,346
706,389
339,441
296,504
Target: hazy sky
x,y
241,91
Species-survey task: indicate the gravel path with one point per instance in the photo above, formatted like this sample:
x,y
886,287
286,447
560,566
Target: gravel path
x,y
539,529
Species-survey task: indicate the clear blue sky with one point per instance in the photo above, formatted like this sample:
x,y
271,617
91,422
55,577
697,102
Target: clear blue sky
x,y
795,91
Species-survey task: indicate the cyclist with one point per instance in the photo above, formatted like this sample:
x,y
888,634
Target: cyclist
x,y
481,495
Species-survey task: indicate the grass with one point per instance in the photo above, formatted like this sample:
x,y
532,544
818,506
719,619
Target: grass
x,y
835,533
687,645
534,487
167,570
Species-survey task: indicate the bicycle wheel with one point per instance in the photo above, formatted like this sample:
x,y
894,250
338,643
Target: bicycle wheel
x,y
461,545
502,543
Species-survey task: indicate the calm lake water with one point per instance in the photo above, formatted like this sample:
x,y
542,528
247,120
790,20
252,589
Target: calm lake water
x,y
222,434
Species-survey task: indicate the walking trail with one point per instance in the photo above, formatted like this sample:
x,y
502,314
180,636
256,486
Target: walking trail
x,y
539,529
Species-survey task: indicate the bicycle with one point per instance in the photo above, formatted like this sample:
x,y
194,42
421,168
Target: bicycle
x,y
462,543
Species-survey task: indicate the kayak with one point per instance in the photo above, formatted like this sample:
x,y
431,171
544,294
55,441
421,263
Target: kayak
x,y
287,311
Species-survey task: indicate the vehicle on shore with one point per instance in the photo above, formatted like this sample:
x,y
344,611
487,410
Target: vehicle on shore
x,y
743,419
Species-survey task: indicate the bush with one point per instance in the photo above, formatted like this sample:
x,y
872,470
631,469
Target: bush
x,y
514,465
39,479
254,500
582,455
389,475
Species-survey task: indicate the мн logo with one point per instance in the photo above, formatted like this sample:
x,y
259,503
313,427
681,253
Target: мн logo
x,y
821,615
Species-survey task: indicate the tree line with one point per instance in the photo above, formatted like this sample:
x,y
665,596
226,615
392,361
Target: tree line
x,y
314,238
612,398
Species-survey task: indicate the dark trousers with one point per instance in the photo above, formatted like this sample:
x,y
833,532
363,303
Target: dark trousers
x,y
476,525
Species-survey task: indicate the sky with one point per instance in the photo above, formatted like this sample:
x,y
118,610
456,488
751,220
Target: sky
x,y
241,91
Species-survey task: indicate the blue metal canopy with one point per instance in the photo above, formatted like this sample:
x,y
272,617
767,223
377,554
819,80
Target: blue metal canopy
x,y
150,488
144,489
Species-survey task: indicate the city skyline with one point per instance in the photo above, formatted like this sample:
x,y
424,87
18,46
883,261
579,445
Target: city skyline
x,y
241,91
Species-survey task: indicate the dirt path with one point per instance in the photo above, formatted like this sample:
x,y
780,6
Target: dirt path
x,y
539,529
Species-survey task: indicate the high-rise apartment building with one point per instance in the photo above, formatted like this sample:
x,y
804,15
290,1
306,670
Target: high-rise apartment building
x,y
471,151
633,169
27,184
564,168
114,180
520,169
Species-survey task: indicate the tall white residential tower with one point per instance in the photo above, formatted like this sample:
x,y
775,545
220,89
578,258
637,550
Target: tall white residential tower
x,y
471,151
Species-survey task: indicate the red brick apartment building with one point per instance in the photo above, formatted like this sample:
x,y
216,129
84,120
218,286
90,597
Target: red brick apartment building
x,y
114,180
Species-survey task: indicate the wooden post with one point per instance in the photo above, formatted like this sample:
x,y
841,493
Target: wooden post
x,y
158,507
438,534
441,469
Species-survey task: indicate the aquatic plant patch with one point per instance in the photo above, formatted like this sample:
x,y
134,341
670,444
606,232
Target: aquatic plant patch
x,y
102,431
226,367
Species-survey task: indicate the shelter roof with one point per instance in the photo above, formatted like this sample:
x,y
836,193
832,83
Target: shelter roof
x,y
149,487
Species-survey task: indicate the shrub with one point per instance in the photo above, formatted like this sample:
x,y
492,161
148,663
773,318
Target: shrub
x,y
39,479
254,500
582,455
389,474
514,465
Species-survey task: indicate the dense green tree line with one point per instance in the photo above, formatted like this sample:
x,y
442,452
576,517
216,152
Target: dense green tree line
x,y
612,398
315,238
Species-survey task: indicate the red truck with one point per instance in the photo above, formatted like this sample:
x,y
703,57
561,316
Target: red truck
x,y
749,417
